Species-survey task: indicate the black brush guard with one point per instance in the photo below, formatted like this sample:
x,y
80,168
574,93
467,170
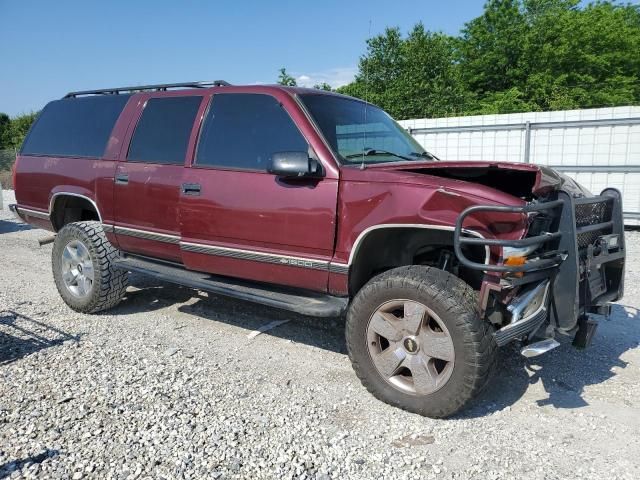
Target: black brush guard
x,y
586,273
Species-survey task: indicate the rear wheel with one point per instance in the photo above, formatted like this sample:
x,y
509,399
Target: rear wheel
x,y
417,342
82,261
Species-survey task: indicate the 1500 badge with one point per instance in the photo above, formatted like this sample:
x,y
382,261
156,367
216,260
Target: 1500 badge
x,y
296,262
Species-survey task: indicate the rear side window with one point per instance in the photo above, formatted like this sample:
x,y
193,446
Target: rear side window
x,y
162,134
75,127
243,130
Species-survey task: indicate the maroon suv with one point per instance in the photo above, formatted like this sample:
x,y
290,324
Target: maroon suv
x,y
322,204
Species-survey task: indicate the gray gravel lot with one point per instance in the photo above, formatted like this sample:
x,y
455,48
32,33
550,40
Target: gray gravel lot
x,y
168,385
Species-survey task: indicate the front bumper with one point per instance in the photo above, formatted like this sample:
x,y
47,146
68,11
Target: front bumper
x,y
580,257
529,311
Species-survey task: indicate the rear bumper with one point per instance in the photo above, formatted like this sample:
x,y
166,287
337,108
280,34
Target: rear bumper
x,y
580,256
13,208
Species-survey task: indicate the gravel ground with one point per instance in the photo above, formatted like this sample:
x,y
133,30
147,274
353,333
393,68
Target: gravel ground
x,y
168,385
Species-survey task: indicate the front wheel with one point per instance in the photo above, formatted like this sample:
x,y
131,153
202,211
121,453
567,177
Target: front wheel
x,y
82,261
416,341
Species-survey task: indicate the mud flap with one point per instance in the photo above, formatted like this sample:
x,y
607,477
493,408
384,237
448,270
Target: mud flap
x,y
587,327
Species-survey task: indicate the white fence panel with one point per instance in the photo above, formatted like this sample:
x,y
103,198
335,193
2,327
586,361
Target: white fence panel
x,y
598,147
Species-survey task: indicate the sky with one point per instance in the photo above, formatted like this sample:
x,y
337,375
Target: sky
x,y
48,48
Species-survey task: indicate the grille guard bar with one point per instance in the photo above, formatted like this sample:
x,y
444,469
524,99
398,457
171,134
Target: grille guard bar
x,y
584,275
553,259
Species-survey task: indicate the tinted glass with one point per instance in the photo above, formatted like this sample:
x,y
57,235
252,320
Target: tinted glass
x,y
162,134
244,130
77,127
353,127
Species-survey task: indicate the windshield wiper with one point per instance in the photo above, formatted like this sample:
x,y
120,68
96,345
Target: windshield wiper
x,y
373,151
425,154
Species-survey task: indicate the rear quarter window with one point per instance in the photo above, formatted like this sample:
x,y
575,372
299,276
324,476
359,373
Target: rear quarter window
x,y
75,127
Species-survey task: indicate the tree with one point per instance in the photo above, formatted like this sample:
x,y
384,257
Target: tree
x,y
581,58
507,101
416,76
14,132
285,79
491,47
323,86
555,54
4,124
518,55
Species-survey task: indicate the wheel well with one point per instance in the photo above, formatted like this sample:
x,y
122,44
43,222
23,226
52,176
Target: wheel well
x,y
69,208
388,248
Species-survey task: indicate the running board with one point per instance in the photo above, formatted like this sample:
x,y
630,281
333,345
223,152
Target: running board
x,y
298,301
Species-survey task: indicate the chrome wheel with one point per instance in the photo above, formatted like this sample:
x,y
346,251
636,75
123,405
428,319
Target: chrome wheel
x,y
77,269
410,347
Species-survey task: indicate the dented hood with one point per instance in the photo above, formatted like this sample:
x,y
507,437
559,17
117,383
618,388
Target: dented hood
x,y
517,179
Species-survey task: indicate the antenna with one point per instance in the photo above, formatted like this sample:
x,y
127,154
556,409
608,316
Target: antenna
x,y
366,104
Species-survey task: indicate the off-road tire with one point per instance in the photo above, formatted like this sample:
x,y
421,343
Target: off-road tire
x,y
456,305
109,283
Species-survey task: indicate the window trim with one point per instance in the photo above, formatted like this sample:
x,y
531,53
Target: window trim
x,y
55,155
136,121
194,163
316,127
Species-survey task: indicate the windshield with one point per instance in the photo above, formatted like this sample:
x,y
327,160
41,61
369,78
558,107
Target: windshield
x,y
362,133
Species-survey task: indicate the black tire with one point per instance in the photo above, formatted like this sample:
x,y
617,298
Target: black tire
x,y
109,283
454,302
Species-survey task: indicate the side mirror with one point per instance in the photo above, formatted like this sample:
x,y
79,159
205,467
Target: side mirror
x,y
294,165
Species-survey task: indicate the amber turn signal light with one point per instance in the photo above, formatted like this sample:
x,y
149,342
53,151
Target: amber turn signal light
x,y
515,261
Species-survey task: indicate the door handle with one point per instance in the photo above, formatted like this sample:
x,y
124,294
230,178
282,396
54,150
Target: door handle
x,y
122,179
191,188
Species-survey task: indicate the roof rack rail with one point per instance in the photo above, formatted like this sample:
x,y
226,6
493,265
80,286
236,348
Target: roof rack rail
x,y
141,88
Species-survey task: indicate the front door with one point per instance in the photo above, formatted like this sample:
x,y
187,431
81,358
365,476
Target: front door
x,y
243,221
150,174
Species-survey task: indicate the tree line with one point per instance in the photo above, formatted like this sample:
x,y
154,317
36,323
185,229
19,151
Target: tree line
x,y
517,56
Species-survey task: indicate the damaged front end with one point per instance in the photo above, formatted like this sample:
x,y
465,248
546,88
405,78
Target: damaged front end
x,y
569,264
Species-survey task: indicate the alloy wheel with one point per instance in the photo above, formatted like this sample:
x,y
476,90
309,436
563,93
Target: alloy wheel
x,y
410,347
77,269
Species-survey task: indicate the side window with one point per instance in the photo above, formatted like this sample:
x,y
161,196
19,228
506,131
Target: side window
x,y
162,134
243,130
76,127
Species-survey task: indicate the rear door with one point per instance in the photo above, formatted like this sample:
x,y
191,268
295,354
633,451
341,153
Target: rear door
x,y
244,221
149,176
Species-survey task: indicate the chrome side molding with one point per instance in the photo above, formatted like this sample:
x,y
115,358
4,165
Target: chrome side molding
x,y
21,212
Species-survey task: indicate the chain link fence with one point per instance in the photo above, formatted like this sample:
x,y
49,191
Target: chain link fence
x,y
7,158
